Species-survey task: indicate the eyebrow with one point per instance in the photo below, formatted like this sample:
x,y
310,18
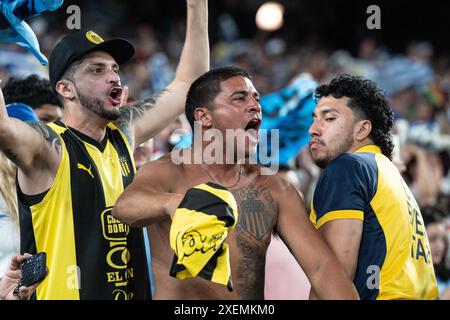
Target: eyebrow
x,y
325,111
101,64
245,93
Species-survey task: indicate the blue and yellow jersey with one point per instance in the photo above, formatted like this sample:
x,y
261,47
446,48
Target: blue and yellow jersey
x,y
394,260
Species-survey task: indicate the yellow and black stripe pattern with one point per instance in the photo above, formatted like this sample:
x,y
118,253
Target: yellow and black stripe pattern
x,y
202,222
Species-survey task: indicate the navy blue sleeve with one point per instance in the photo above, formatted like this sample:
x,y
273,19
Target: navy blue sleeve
x,y
345,188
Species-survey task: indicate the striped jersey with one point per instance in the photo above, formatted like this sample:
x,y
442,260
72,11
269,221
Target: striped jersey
x,y
90,254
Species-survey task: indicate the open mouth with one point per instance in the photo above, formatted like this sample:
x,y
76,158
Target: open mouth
x,y
253,124
115,95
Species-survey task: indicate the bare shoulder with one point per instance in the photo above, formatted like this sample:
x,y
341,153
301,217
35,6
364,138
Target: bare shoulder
x,y
161,166
163,172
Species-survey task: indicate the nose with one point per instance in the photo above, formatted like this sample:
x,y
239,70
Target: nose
x,y
113,77
315,129
254,106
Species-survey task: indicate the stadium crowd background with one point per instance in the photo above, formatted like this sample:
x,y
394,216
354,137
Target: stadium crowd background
x,y
409,57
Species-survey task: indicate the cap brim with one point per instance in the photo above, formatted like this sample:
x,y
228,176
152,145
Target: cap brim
x,y
120,49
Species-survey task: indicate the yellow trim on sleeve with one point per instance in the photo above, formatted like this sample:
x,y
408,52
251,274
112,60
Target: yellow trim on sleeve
x,y
339,214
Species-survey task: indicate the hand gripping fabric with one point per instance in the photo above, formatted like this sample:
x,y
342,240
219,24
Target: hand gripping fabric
x,y
202,222
14,29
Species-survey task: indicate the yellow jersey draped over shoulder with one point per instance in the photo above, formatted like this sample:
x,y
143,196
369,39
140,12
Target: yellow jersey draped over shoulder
x,y
90,254
394,259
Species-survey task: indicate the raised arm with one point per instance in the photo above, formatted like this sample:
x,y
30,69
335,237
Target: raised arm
x,y
325,273
149,198
27,147
144,119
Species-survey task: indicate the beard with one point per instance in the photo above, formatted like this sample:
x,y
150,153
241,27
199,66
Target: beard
x,y
333,152
97,106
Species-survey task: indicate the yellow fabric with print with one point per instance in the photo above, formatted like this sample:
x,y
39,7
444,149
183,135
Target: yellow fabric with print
x,y
202,222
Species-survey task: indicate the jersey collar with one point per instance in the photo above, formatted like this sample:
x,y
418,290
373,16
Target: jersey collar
x,y
369,148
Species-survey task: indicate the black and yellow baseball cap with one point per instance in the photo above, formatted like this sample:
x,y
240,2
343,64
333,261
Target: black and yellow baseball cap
x,y
76,44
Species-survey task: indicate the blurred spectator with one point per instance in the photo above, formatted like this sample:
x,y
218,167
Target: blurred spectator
x,y
9,216
9,225
143,153
420,51
433,217
417,78
424,173
37,93
168,138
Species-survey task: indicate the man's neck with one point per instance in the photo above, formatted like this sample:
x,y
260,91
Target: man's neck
x,y
359,145
85,122
223,170
219,170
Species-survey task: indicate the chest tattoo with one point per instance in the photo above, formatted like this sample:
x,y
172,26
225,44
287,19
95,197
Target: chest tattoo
x,y
257,210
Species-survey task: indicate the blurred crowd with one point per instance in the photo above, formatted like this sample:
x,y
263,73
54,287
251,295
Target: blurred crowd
x,y
417,82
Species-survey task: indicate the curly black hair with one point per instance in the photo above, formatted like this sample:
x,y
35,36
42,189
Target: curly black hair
x,y
32,90
433,214
367,101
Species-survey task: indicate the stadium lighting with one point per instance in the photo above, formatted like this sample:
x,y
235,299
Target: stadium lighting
x,y
269,16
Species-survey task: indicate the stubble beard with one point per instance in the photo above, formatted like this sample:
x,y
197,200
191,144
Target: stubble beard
x,y
332,153
97,106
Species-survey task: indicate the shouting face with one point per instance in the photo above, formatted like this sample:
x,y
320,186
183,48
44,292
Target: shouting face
x,y
97,85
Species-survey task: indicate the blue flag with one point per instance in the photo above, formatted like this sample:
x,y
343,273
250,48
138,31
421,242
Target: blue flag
x,y
14,29
290,111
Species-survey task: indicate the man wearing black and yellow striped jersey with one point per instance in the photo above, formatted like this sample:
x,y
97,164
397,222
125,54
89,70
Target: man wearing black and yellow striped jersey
x,y
72,171
220,100
361,205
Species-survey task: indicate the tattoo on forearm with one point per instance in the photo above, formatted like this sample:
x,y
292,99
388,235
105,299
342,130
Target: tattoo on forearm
x,y
48,134
134,111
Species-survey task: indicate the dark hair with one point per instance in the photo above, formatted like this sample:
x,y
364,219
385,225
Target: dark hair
x,y
70,70
366,101
433,214
32,90
204,89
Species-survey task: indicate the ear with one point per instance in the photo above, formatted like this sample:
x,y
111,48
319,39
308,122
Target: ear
x,y
363,129
203,115
65,89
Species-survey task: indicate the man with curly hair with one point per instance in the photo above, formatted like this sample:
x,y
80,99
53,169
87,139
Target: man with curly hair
x,y
361,205
37,93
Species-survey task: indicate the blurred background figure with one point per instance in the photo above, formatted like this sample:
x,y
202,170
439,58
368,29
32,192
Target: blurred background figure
x,y
35,92
9,224
411,63
143,153
435,218
9,215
